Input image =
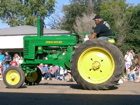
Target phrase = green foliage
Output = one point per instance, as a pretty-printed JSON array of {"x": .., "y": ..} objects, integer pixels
[
  {"x": 25, "y": 12},
  {"x": 133, "y": 39},
  {"x": 119, "y": 16},
  {"x": 76, "y": 9},
  {"x": 113, "y": 10},
  {"x": 135, "y": 23}
]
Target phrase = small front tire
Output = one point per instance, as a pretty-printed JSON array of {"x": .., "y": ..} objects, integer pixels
[{"x": 13, "y": 77}]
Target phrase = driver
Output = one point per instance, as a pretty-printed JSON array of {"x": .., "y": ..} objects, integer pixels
[{"x": 102, "y": 29}]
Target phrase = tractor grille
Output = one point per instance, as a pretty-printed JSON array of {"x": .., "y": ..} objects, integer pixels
[{"x": 26, "y": 48}]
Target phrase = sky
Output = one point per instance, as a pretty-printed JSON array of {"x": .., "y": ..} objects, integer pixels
[{"x": 59, "y": 6}]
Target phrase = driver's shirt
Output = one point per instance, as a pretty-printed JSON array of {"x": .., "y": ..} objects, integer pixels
[{"x": 103, "y": 29}]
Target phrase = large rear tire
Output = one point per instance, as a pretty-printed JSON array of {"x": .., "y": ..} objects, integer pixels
[
  {"x": 97, "y": 64},
  {"x": 34, "y": 79},
  {"x": 13, "y": 77}
]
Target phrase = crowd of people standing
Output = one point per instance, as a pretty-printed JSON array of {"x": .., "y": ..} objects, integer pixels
[
  {"x": 6, "y": 60},
  {"x": 132, "y": 67}
]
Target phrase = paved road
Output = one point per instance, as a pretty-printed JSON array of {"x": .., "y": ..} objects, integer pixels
[{"x": 69, "y": 93}]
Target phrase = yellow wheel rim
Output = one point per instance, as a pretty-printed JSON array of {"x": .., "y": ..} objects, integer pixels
[
  {"x": 13, "y": 77},
  {"x": 33, "y": 77},
  {"x": 96, "y": 65}
]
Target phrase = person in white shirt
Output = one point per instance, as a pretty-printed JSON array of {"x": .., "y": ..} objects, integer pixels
[
  {"x": 132, "y": 54},
  {"x": 128, "y": 61}
]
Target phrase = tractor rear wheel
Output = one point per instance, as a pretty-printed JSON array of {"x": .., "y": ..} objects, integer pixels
[
  {"x": 97, "y": 64},
  {"x": 34, "y": 79},
  {"x": 13, "y": 77}
]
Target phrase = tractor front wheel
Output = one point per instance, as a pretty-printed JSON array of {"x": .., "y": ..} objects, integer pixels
[{"x": 13, "y": 77}]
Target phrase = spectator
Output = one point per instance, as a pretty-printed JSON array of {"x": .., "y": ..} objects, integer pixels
[
  {"x": 132, "y": 54},
  {"x": 40, "y": 66},
  {"x": 16, "y": 58},
  {"x": 20, "y": 60},
  {"x": 139, "y": 57},
  {"x": 124, "y": 78},
  {"x": 70, "y": 76},
  {"x": 1, "y": 61},
  {"x": 138, "y": 63},
  {"x": 61, "y": 73},
  {"x": 128, "y": 61},
  {"x": 138, "y": 73},
  {"x": 45, "y": 71},
  {"x": 53, "y": 71},
  {"x": 14, "y": 62},
  {"x": 135, "y": 61},
  {"x": 1, "y": 58},
  {"x": 7, "y": 61},
  {"x": 132, "y": 73},
  {"x": 64, "y": 53}
]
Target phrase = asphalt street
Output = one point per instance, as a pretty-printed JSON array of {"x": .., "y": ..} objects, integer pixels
[{"x": 69, "y": 93}]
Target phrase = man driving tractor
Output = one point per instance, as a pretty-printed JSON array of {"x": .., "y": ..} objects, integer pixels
[{"x": 102, "y": 29}]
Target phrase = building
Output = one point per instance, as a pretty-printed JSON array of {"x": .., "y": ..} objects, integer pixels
[{"x": 11, "y": 39}]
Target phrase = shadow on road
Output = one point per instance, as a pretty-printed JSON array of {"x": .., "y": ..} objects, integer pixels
[
  {"x": 74, "y": 86},
  {"x": 79, "y": 87},
  {"x": 67, "y": 99}
]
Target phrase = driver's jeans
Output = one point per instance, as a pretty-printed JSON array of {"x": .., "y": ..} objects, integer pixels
[{"x": 103, "y": 37}]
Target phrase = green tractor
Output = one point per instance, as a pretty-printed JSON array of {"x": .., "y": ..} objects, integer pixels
[{"x": 95, "y": 64}]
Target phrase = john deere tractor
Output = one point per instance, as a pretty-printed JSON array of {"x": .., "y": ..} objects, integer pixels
[{"x": 95, "y": 64}]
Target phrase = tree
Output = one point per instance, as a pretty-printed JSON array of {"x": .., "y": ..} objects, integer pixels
[
  {"x": 76, "y": 9},
  {"x": 124, "y": 19},
  {"x": 118, "y": 14},
  {"x": 55, "y": 21},
  {"x": 133, "y": 39},
  {"x": 84, "y": 24},
  {"x": 25, "y": 12},
  {"x": 90, "y": 7}
]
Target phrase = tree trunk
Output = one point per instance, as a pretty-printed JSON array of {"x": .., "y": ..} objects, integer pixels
[{"x": 90, "y": 6}]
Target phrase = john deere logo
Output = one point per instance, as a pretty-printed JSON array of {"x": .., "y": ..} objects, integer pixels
[{"x": 54, "y": 42}]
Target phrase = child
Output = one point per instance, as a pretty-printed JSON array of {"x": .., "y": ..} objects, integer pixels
[
  {"x": 132, "y": 73},
  {"x": 14, "y": 62},
  {"x": 20, "y": 60},
  {"x": 138, "y": 73}
]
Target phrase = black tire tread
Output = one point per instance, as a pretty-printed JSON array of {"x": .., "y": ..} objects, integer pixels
[
  {"x": 119, "y": 64},
  {"x": 37, "y": 81},
  {"x": 22, "y": 75}
]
